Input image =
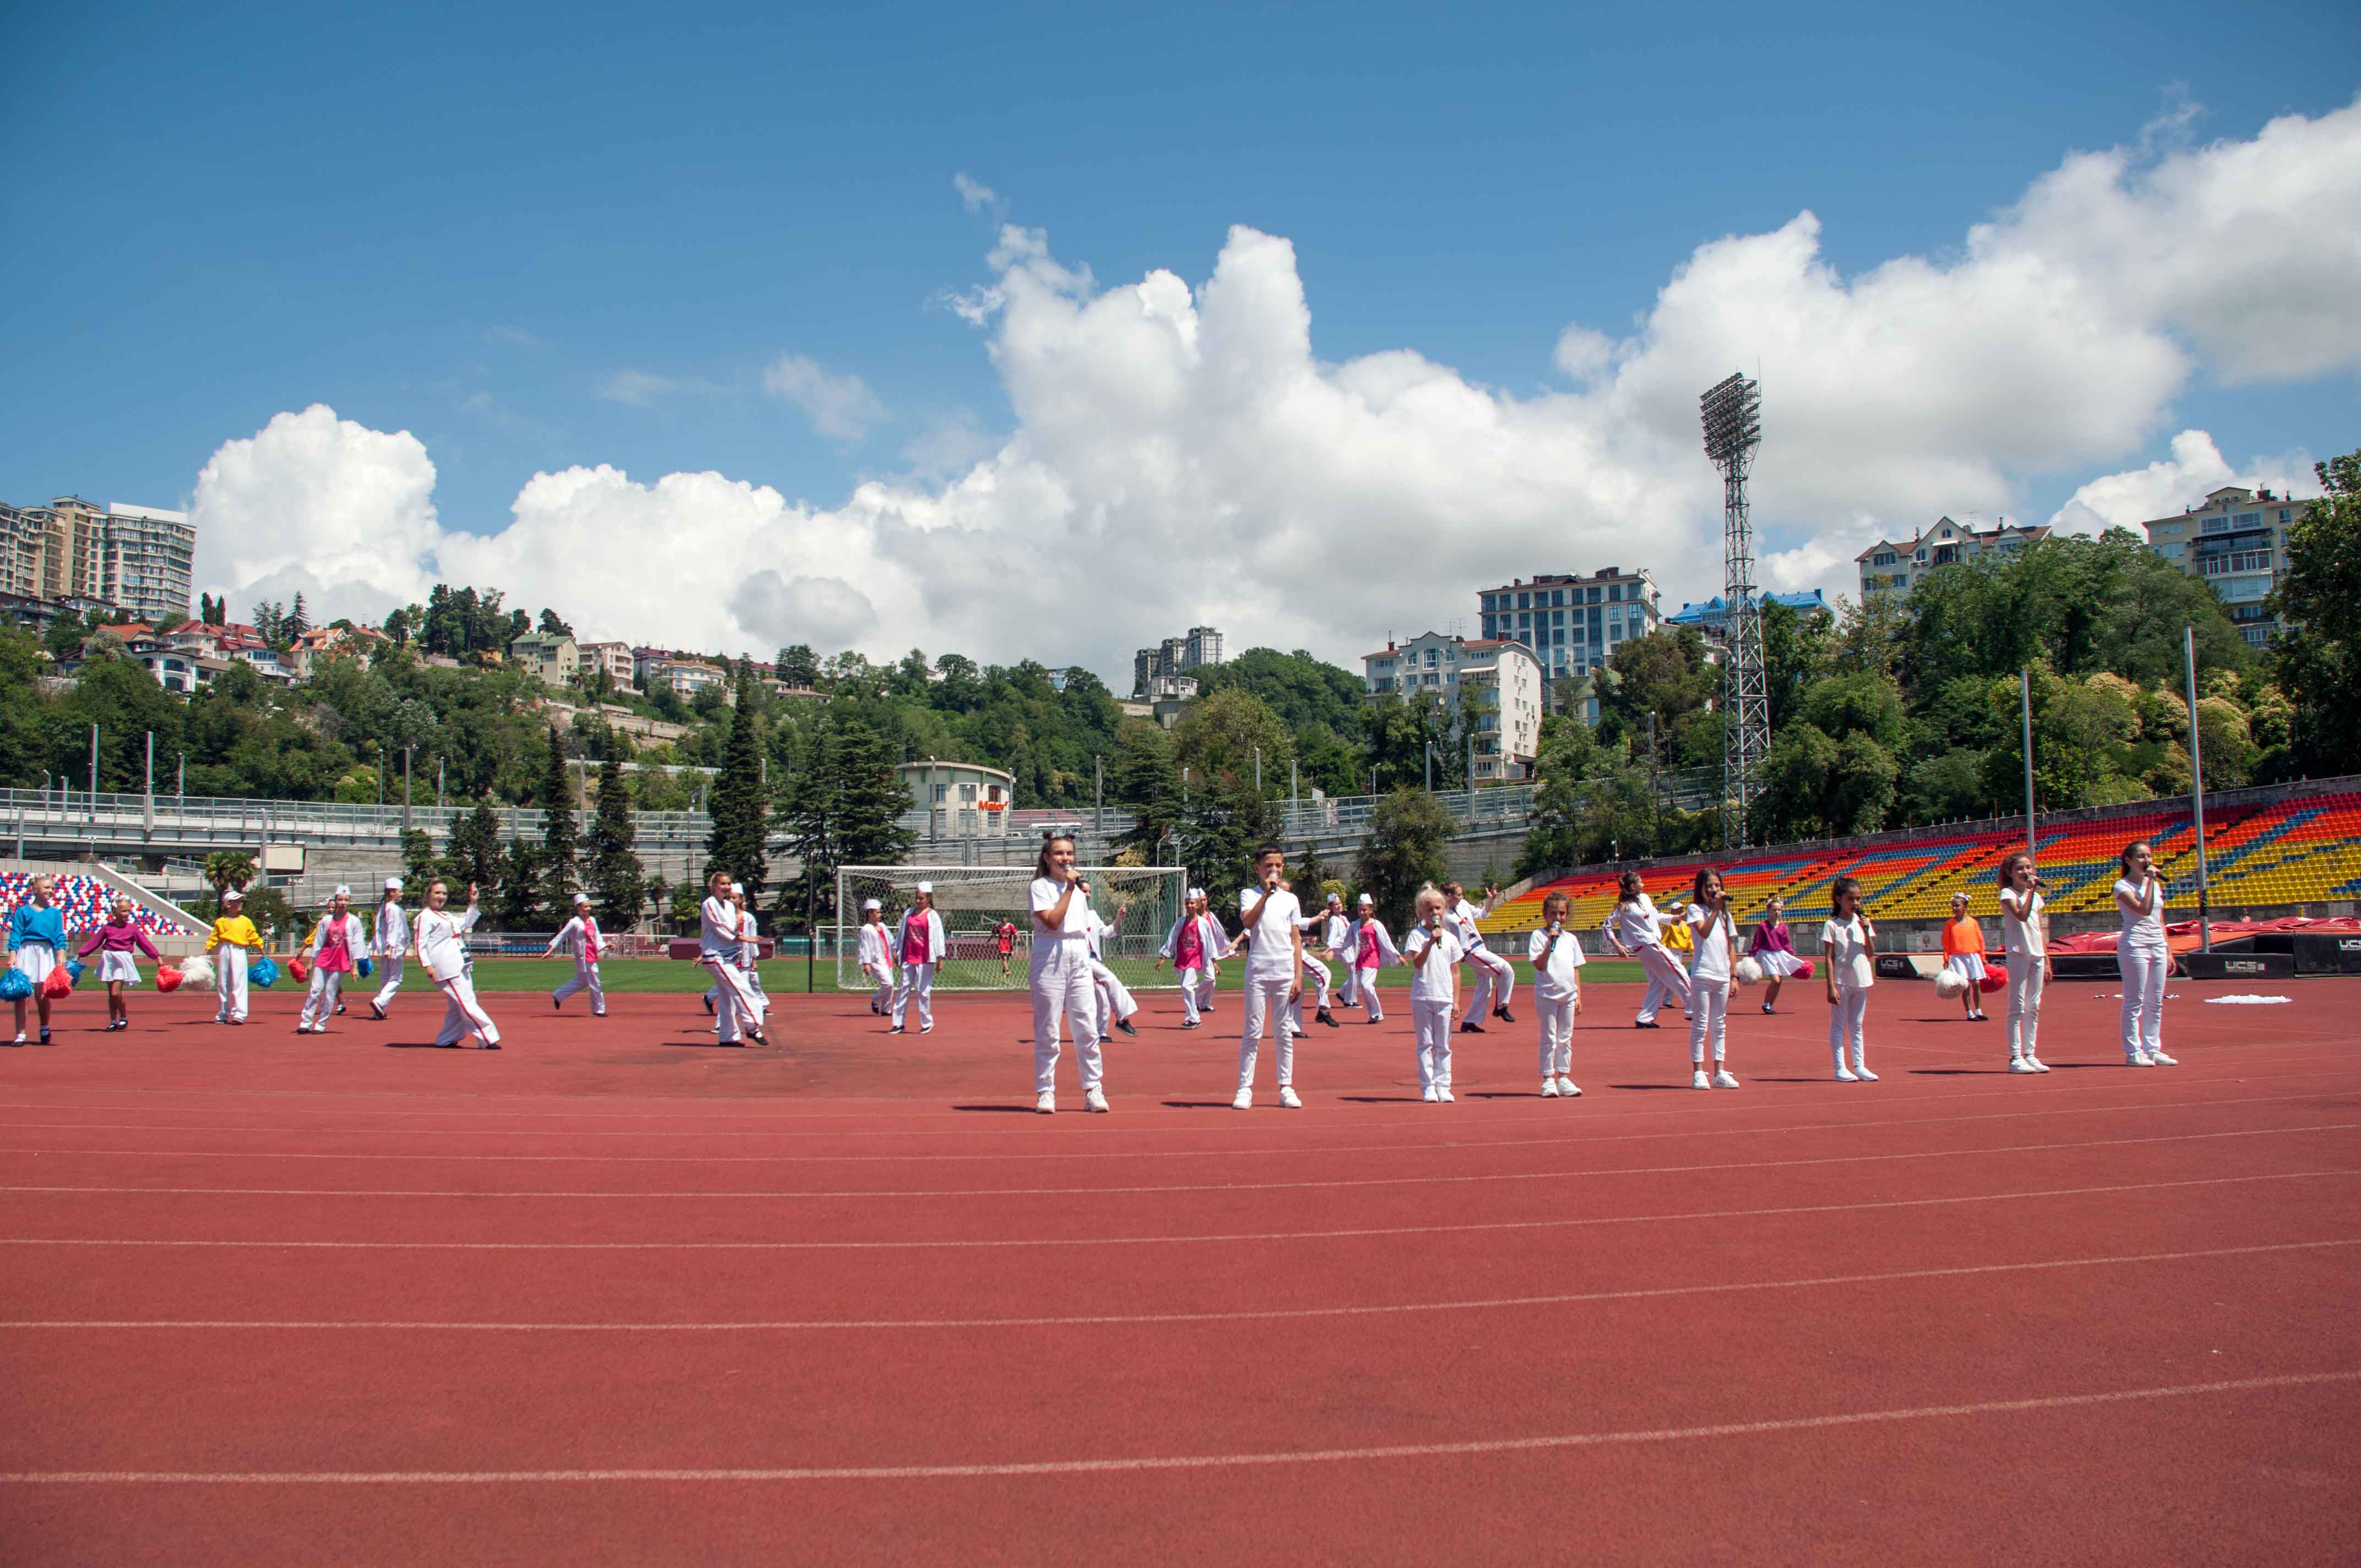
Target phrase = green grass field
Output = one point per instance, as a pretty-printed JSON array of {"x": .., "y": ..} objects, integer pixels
[{"x": 786, "y": 975}]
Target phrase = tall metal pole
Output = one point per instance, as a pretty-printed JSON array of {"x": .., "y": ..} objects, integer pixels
[
  {"x": 438, "y": 784},
  {"x": 93, "y": 774},
  {"x": 1294, "y": 796},
  {"x": 405, "y": 786},
  {"x": 811, "y": 930},
  {"x": 1430, "y": 767},
  {"x": 1098, "y": 794},
  {"x": 2025, "y": 709},
  {"x": 1258, "y": 752},
  {"x": 1731, "y": 412},
  {"x": 181, "y": 783},
  {"x": 148, "y": 811},
  {"x": 2197, "y": 789}
]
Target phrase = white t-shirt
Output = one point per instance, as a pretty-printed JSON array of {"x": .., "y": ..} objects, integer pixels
[
  {"x": 2142, "y": 931},
  {"x": 1270, "y": 952},
  {"x": 1845, "y": 945},
  {"x": 1554, "y": 981},
  {"x": 441, "y": 945},
  {"x": 2021, "y": 938},
  {"x": 1431, "y": 977},
  {"x": 1071, "y": 938},
  {"x": 1711, "y": 940},
  {"x": 1634, "y": 924}
]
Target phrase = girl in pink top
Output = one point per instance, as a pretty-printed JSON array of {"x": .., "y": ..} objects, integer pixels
[{"x": 114, "y": 942}]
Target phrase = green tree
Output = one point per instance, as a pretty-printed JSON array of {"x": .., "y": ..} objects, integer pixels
[
  {"x": 617, "y": 880},
  {"x": 420, "y": 863},
  {"x": 226, "y": 868},
  {"x": 517, "y": 903},
  {"x": 1404, "y": 850},
  {"x": 1219, "y": 739},
  {"x": 560, "y": 844},
  {"x": 473, "y": 854},
  {"x": 739, "y": 805},
  {"x": 799, "y": 665},
  {"x": 1300, "y": 688},
  {"x": 2318, "y": 658},
  {"x": 1144, "y": 781}
]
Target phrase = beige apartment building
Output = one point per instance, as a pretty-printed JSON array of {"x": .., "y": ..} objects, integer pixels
[{"x": 2235, "y": 540}]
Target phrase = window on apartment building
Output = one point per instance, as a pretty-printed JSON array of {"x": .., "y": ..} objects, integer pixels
[
  {"x": 1524, "y": 601},
  {"x": 2248, "y": 520},
  {"x": 2286, "y": 513},
  {"x": 1558, "y": 595},
  {"x": 1432, "y": 658},
  {"x": 1614, "y": 592}
]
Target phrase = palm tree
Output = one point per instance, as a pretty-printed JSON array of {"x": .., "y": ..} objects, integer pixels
[{"x": 226, "y": 868}]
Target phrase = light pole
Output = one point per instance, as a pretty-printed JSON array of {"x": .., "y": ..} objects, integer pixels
[
  {"x": 2197, "y": 789},
  {"x": 2025, "y": 714}
]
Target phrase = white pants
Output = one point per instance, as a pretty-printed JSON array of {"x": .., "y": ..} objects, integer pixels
[
  {"x": 1266, "y": 1005},
  {"x": 320, "y": 1001},
  {"x": 918, "y": 981},
  {"x": 462, "y": 1012},
  {"x": 229, "y": 983},
  {"x": 586, "y": 978},
  {"x": 1368, "y": 985},
  {"x": 1667, "y": 981},
  {"x": 1318, "y": 972},
  {"x": 883, "y": 997},
  {"x": 1114, "y": 998},
  {"x": 1494, "y": 984},
  {"x": 390, "y": 966},
  {"x": 1557, "y": 1035},
  {"x": 2023, "y": 1003},
  {"x": 1191, "y": 980},
  {"x": 1349, "y": 993},
  {"x": 1063, "y": 993},
  {"x": 2144, "y": 971},
  {"x": 1847, "y": 1020},
  {"x": 1708, "y": 1018},
  {"x": 1432, "y": 1022},
  {"x": 736, "y": 1004}
]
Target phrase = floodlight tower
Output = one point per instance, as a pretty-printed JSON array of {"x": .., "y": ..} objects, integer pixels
[{"x": 1732, "y": 412}]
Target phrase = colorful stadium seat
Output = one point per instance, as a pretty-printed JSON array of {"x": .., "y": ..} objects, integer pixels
[{"x": 84, "y": 900}]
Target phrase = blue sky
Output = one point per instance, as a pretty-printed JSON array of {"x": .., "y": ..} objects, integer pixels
[{"x": 468, "y": 223}]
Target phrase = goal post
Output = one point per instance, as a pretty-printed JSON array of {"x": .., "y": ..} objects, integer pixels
[{"x": 1141, "y": 902}]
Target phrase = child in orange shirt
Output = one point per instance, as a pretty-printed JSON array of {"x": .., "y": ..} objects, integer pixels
[{"x": 1963, "y": 954}]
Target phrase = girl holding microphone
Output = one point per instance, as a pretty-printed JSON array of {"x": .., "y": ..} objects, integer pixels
[
  {"x": 2143, "y": 957},
  {"x": 1064, "y": 990}
]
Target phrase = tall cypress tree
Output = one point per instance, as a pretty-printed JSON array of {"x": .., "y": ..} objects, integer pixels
[
  {"x": 618, "y": 881},
  {"x": 809, "y": 817},
  {"x": 474, "y": 852},
  {"x": 560, "y": 844},
  {"x": 742, "y": 816},
  {"x": 869, "y": 798}
]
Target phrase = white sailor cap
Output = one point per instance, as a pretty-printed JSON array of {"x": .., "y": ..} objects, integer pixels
[
  {"x": 393, "y": 884},
  {"x": 870, "y": 903},
  {"x": 232, "y": 895},
  {"x": 343, "y": 892},
  {"x": 581, "y": 898},
  {"x": 1196, "y": 893},
  {"x": 927, "y": 887},
  {"x": 1367, "y": 899}
]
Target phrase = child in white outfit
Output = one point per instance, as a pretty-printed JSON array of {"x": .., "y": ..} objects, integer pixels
[
  {"x": 1433, "y": 950},
  {"x": 1849, "y": 943},
  {"x": 1557, "y": 995},
  {"x": 1713, "y": 941},
  {"x": 2144, "y": 957},
  {"x": 1635, "y": 931}
]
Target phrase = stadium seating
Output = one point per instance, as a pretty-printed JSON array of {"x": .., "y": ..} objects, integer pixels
[
  {"x": 84, "y": 900},
  {"x": 2299, "y": 851}
]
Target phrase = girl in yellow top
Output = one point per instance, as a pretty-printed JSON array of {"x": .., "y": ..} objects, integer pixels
[{"x": 235, "y": 936}]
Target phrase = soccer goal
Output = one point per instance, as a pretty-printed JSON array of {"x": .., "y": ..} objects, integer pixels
[{"x": 984, "y": 905}]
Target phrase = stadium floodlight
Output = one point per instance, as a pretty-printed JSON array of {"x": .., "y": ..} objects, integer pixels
[{"x": 1731, "y": 412}]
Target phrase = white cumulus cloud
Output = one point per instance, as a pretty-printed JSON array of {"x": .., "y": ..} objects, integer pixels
[
  {"x": 2176, "y": 482},
  {"x": 1180, "y": 455}
]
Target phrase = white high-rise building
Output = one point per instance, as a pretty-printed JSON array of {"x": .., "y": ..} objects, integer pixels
[{"x": 148, "y": 560}]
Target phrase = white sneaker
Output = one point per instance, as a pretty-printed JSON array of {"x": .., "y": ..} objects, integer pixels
[
  {"x": 1722, "y": 1079},
  {"x": 1095, "y": 1100},
  {"x": 2019, "y": 1064},
  {"x": 2161, "y": 1059},
  {"x": 2138, "y": 1058},
  {"x": 1245, "y": 1101},
  {"x": 1286, "y": 1098},
  {"x": 1697, "y": 1079},
  {"x": 2037, "y": 1063},
  {"x": 1444, "y": 1095},
  {"x": 1549, "y": 1088},
  {"x": 1845, "y": 1074},
  {"x": 1430, "y": 1094},
  {"x": 1567, "y": 1088},
  {"x": 1046, "y": 1102},
  {"x": 1860, "y": 1071}
]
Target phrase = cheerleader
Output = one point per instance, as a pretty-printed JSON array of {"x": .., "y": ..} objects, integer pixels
[
  {"x": 114, "y": 943},
  {"x": 1495, "y": 980},
  {"x": 580, "y": 938},
  {"x": 1774, "y": 947},
  {"x": 1373, "y": 947},
  {"x": 334, "y": 944},
  {"x": 2025, "y": 937},
  {"x": 1634, "y": 930},
  {"x": 388, "y": 943},
  {"x": 1963, "y": 955},
  {"x": 232, "y": 937},
  {"x": 877, "y": 955},
  {"x": 1114, "y": 999},
  {"x": 36, "y": 934},
  {"x": 1059, "y": 904},
  {"x": 1557, "y": 995},
  {"x": 737, "y": 1010},
  {"x": 1432, "y": 949},
  {"x": 2144, "y": 957},
  {"x": 1713, "y": 944},
  {"x": 1189, "y": 948},
  {"x": 1849, "y": 943},
  {"x": 1271, "y": 935},
  {"x": 442, "y": 945},
  {"x": 921, "y": 947}
]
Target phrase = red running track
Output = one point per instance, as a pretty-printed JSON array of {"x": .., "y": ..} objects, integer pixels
[{"x": 616, "y": 1294}]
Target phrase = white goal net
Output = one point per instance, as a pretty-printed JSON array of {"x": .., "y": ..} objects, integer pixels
[{"x": 983, "y": 908}]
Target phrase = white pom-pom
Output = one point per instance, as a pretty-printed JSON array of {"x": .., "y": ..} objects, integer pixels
[
  {"x": 198, "y": 971},
  {"x": 1950, "y": 985},
  {"x": 1749, "y": 970}
]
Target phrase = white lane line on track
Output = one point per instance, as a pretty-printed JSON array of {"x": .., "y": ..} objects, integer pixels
[
  {"x": 1461, "y": 1179},
  {"x": 1119, "y": 1319},
  {"x": 1455, "y": 1145},
  {"x": 1179, "y": 1461},
  {"x": 969, "y": 1243},
  {"x": 905, "y": 1103}
]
